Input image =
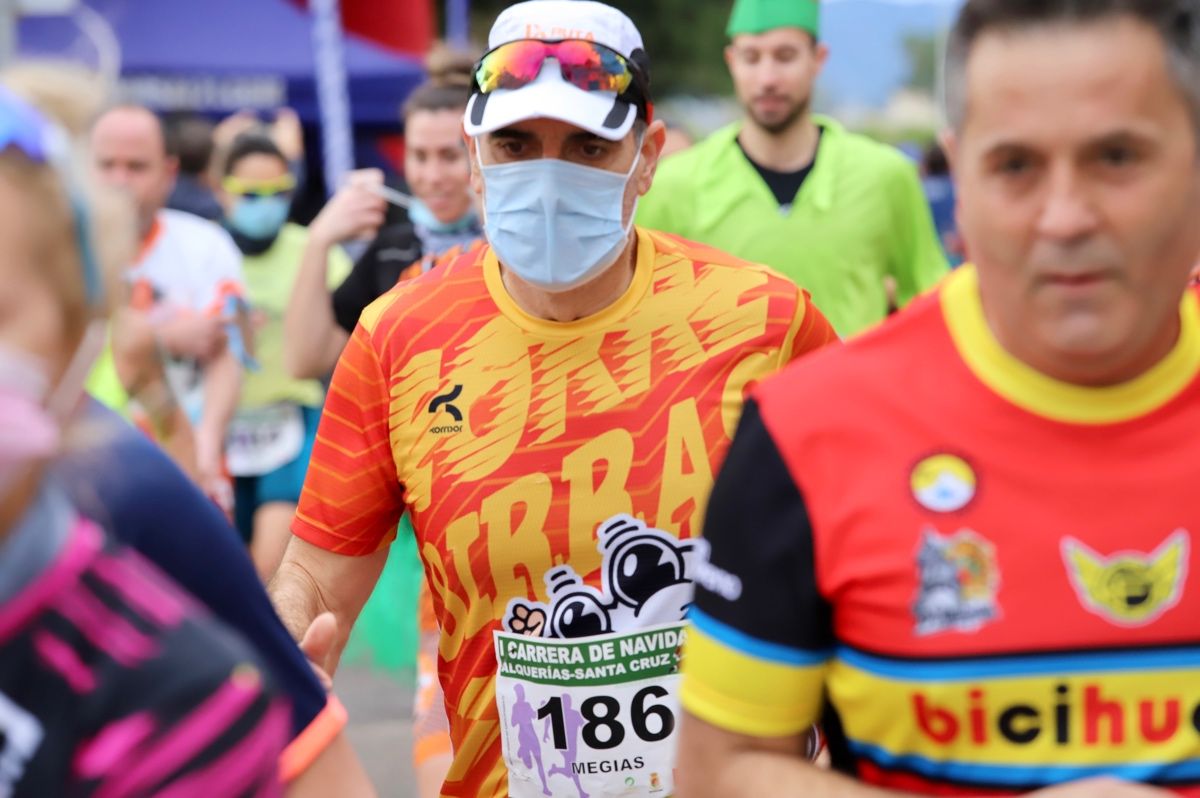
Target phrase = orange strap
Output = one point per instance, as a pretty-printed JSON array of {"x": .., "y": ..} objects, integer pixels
[{"x": 312, "y": 742}]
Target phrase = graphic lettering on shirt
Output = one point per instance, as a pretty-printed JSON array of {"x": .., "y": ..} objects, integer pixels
[
  {"x": 646, "y": 579},
  {"x": 599, "y": 472},
  {"x": 1058, "y": 719},
  {"x": 957, "y": 583},
  {"x": 20, "y": 737},
  {"x": 1129, "y": 588},
  {"x": 943, "y": 483}
]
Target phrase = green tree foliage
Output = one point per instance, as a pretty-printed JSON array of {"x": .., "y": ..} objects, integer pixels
[
  {"x": 923, "y": 54},
  {"x": 685, "y": 40}
]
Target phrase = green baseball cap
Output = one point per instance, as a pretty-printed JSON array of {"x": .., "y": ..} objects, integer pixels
[{"x": 760, "y": 16}]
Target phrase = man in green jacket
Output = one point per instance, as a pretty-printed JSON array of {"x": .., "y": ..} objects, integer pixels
[{"x": 834, "y": 211}]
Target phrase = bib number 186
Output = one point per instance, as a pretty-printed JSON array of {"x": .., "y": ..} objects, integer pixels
[{"x": 604, "y": 729}]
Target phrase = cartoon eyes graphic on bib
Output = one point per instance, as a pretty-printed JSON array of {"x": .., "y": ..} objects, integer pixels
[
  {"x": 641, "y": 566},
  {"x": 645, "y": 580},
  {"x": 579, "y": 615}
]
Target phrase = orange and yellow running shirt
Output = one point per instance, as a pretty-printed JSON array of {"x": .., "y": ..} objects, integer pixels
[{"x": 534, "y": 454}]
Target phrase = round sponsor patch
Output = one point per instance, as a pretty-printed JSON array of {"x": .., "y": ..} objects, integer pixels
[{"x": 943, "y": 483}]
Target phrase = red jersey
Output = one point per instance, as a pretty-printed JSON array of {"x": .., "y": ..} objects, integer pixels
[{"x": 982, "y": 578}]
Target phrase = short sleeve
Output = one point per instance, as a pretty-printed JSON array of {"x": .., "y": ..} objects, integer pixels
[
  {"x": 378, "y": 269},
  {"x": 761, "y": 637},
  {"x": 809, "y": 332},
  {"x": 352, "y": 499},
  {"x": 202, "y": 553},
  {"x": 918, "y": 259}
]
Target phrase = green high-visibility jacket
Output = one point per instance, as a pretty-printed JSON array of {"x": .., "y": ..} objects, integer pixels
[{"x": 860, "y": 216}]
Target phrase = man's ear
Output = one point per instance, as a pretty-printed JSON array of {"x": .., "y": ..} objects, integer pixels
[
  {"x": 652, "y": 147},
  {"x": 948, "y": 139},
  {"x": 821, "y": 57}
]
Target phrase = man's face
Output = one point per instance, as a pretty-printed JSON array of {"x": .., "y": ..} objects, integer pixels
[
  {"x": 128, "y": 152},
  {"x": 1079, "y": 195},
  {"x": 773, "y": 74},
  {"x": 550, "y": 138}
]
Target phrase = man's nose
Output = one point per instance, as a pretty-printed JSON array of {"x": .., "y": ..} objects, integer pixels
[
  {"x": 770, "y": 73},
  {"x": 115, "y": 176},
  {"x": 1068, "y": 213}
]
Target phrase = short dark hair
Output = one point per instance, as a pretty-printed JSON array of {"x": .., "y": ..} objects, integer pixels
[
  {"x": 1176, "y": 21},
  {"x": 249, "y": 144},
  {"x": 190, "y": 139}
]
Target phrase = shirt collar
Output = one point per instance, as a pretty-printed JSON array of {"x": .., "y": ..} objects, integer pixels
[
  {"x": 820, "y": 187},
  {"x": 1044, "y": 396}
]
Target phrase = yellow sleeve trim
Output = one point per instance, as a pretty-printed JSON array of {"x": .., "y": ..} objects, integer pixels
[{"x": 747, "y": 695}]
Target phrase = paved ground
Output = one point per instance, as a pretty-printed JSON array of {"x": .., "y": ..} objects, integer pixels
[{"x": 380, "y": 706}]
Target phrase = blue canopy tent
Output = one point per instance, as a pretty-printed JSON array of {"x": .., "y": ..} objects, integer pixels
[{"x": 219, "y": 56}]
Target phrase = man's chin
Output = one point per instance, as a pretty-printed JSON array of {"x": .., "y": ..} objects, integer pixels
[
  {"x": 1087, "y": 343},
  {"x": 777, "y": 123}
]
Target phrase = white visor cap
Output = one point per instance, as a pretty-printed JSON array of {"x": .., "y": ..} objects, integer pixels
[{"x": 549, "y": 96}]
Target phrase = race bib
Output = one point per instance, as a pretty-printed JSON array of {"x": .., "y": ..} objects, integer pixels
[
  {"x": 590, "y": 717},
  {"x": 264, "y": 439}
]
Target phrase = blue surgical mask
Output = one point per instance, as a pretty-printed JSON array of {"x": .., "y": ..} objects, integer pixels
[
  {"x": 420, "y": 215},
  {"x": 556, "y": 225},
  {"x": 260, "y": 218}
]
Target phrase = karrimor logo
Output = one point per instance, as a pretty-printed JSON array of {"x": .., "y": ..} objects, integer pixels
[{"x": 446, "y": 402}]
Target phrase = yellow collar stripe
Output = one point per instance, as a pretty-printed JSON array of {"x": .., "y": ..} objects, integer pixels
[{"x": 1059, "y": 401}]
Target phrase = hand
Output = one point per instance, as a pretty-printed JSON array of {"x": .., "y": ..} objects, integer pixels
[
  {"x": 231, "y": 127},
  {"x": 353, "y": 212},
  {"x": 317, "y": 645},
  {"x": 135, "y": 350},
  {"x": 288, "y": 134},
  {"x": 1102, "y": 788},
  {"x": 188, "y": 334}
]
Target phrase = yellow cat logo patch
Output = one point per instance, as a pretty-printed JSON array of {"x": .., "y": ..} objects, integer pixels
[{"x": 1129, "y": 588}]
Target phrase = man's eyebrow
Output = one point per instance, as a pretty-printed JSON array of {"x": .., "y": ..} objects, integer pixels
[
  {"x": 1130, "y": 134},
  {"x": 584, "y": 137},
  {"x": 512, "y": 133}
]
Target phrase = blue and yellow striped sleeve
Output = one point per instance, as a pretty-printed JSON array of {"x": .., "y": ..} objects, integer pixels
[{"x": 761, "y": 636}]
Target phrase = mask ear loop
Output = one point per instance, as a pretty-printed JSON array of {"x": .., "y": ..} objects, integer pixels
[{"x": 641, "y": 139}]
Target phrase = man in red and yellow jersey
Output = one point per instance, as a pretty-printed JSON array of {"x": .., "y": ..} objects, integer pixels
[
  {"x": 550, "y": 408},
  {"x": 967, "y": 540}
]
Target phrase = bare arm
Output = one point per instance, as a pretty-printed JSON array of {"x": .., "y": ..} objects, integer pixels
[
  {"x": 312, "y": 338},
  {"x": 222, "y": 389},
  {"x": 714, "y": 763},
  {"x": 311, "y": 581},
  {"x": 139, "y": 366},
  {"x": 337, "y": 771}
]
